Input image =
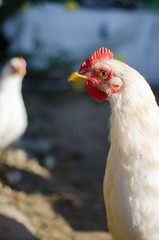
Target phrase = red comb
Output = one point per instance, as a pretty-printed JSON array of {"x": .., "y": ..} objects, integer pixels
[
  {"x": 21, "y": 59},
  {"x": 21, "y": 62},
  {"x": 103, "y": 53}
]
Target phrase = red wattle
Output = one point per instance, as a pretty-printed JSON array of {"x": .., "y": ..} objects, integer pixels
[{"x": 95, "y": 93}]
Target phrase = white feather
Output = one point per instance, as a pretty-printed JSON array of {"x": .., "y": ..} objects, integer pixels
[
  {"x": 131, "y": 183},
  {"x": 13, "y": 117}
]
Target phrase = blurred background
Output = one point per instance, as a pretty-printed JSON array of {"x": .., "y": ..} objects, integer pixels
[{"x": 51, "y": 178}]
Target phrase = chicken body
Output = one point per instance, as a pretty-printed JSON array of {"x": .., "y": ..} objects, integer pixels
[
  {"x": 131, "y": 182},
  {"x": 13, "y": 120}
]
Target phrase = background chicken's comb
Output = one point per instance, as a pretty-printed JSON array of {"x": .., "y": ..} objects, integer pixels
[
  {"x": 21, "y": 62},
  {"x": 103, "y": 53}
]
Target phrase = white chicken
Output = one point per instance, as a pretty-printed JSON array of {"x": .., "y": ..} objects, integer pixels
[
  {"x": 13, "y": 116},
  {"x": 131, "y": 183}
]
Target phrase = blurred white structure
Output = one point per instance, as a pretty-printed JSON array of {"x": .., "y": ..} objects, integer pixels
[
  {"x": 13, "y": 120},
  {"x": 50, "y": 29}
]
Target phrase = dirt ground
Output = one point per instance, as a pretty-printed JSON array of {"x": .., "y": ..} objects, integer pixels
[{"x": 52, "y": 180}]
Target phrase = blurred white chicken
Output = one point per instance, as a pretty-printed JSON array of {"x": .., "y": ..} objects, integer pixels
[
  {"x": 13, "y": 116},
  {"x": 131, "y": 183}
]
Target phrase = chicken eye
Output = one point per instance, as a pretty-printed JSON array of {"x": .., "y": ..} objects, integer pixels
[{"x": 103, "y": 73}]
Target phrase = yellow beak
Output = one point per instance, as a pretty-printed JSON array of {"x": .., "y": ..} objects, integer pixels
[
  {"x": 77, "y": 77},
  {"x": 22, "y": 71}
]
